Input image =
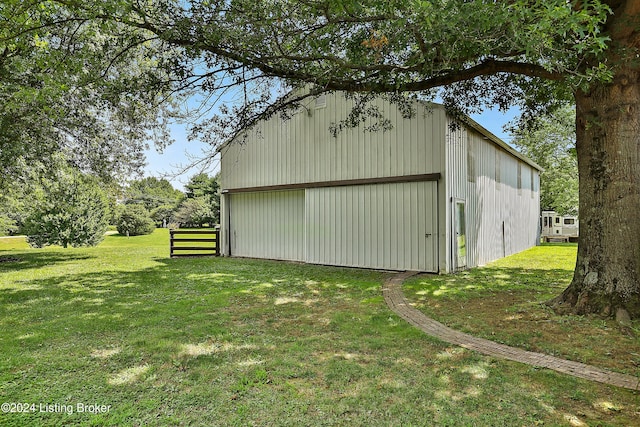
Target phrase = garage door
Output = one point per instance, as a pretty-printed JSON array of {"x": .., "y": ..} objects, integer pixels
[
  {"x": 386, "y": 226},
  {"x": 267, "y": 224}
]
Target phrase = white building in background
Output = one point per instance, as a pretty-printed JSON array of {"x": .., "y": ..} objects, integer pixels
[
  {"x": 425, "y": 196},
  {"x": 559, "y": 227}
]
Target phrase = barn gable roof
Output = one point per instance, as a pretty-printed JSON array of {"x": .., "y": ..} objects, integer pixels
[{"x": 500, "y": 143}]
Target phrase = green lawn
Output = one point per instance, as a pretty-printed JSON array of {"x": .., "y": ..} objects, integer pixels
[{"x": 159, "y": 341}]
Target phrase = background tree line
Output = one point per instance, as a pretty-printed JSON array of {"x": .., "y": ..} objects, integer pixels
[
  {"x": 63, "y": 206},
  {"x": 198, "y": 206}
]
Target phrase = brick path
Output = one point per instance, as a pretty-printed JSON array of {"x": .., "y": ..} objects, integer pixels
[{"x": 393, "y": 296}]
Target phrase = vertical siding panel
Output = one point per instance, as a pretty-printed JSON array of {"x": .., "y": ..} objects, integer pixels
[
  {"x": 356, "y": 223},
  {"x": 369, "y": 156},
  {"x": 316, "y": 231},
  {"x": 418, "y": 225},
  {"x": 348, "y": 224},
  {"x": 495, "y": 203},
  {"x": 394, "y": 219},
  {"x": 268, "y": 225},
  {"x": 417, "y": 230},
  {"x": 433, "y": 213},
  {"x": 315, "y": 159},
  {"x": 400, "y": 221},
  {"x": 413, "y": 160},
  {"x": 265, "y": 153},
  {"x": 311, "y": 212},
  {"x": 307, "y": 139},
  {"x": 340, "y": 145},
  {"x": 287, "y": 150},
  {"x": 411, "y": 251},
  {"x": 387, "y": 225},
  {"x": 336, "y": 144},
  {"x": 398, "y": 139},
  {"x": 301, "y": 149},
  {"x": 318, "y": 158},
  {"x": 273, "y": 243},
  {"x": 326, "y": 247},
  {"x": 375, "y": 226},
  {"x": 364, "y": 226},
  {"x": 387, "y": 157},
  {"x": 362, "y": 250},
  {"x": 334, "y": 228},
  {"x": 293, "y": 148}
]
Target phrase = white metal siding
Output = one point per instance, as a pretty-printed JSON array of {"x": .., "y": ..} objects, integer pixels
[
  {"x": 302, "y": 149},
  {"x": 387, "y": 226},
  {"x": 382, "y": 225},
  {"x": 267, "y": 224},
  {"x": 456, "y": 188},
  {"x": 501, "y": 220}
]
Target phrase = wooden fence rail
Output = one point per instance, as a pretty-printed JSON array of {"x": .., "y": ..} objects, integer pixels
[{"x": 199, "y": 243}]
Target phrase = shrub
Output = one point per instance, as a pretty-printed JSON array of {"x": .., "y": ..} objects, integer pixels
[
  {"x": 134, "y": 220},
  {"x": 194, "y": 212},
  {"x": 7, "y": 225},
  {"x": 69, "y": 209}
]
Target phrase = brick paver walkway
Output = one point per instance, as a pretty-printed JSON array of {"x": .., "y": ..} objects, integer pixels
[{"x": 393, "y": 296}]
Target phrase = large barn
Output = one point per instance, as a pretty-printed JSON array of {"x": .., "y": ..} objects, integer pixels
[{"x": 424, "y": 196}]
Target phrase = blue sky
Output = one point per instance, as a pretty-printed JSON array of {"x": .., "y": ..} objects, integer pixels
[
  {"x": 175, "y": 157},
  {"x": 182, "y": 151}
]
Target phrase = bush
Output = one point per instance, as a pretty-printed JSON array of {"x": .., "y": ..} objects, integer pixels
[
  {"x": 195, "y": 212},
  {"x": 7, "y": 225},
  {"x": 134, "y": 220},
  {"x": 162, "y": 215},
  {"x": 69, "y": 209}
]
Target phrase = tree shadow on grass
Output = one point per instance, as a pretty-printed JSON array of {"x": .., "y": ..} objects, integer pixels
[
  {"x": 489, "y": 280},
  {"x": 509, "y": 305},
  {"x": 170, "y": 290},
  {"x": 143, "y": 308},
  {"x": 24, "y": 260},
  {"x": 187, "y": 322}
]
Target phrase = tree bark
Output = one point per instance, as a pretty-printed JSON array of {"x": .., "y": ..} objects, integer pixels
[{"x": 606, "y": 280}]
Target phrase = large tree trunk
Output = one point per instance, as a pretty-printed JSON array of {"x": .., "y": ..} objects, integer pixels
[{"x": 607, "y": 274}]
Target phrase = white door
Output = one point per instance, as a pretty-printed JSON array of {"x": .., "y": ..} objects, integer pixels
[
  {"x": 459, "y": 235},
  {"x": 384, "y": 226}
]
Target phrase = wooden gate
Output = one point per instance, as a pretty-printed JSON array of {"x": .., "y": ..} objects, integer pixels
[{"x": 197, "y": 243}]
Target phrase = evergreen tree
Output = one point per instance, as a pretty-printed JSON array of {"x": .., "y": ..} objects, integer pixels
[
  {"x": 69, "y": 209},
  {"x": 202, "y": 186}
]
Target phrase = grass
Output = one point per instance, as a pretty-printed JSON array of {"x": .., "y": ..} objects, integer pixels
[
  {"x": 246, "y": 342},
  {"x": 504, "y": 302}
]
